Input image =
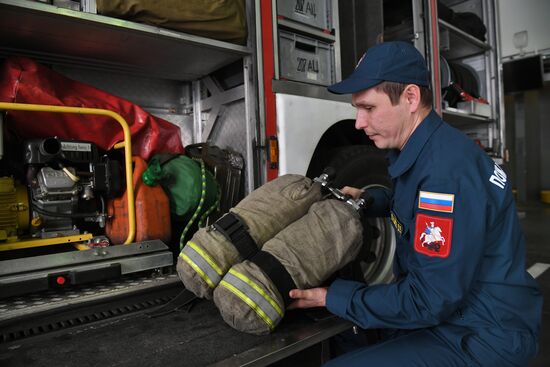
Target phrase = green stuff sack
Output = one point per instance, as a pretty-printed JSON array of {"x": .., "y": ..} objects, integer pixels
[{"x": 181, "y": 179}]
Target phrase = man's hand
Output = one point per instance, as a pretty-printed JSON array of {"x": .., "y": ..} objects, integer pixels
[
  {"x": 352, "y": 191},
  {"x": 307, "y": 298}
]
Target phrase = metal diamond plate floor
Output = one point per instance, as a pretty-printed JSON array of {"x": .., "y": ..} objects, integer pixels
[{"x": 38, "y": 302}]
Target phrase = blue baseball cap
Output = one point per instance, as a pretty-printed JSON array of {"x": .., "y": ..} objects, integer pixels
[{"x": 398, "y": 62}]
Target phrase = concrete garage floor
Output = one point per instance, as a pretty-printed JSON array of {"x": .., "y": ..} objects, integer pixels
[{"x": 535, "y": 220}]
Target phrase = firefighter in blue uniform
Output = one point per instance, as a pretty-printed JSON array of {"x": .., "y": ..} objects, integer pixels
[{"x": 461, "y": 296}]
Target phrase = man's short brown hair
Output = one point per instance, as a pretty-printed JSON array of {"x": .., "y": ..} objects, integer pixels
[{"x": 394, "y": 91}]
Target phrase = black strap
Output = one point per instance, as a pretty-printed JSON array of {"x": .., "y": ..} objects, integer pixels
[
  {"x": 276, "y": 272},
  {"x": 233, "y": 228}
]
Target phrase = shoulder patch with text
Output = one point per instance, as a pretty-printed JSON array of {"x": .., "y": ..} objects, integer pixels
[
  {"x": 396, "y": 223},
  {"x": 498, "y": 178},
  {"x": 433, "y": 235},
  {"x": 436, "y": 201}
]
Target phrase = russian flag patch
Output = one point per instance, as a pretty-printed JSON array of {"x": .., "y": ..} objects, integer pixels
[{"x": 436, "y": 201}]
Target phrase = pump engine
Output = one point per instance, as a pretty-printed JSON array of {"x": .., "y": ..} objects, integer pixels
[{"x": 68, "y": 182}]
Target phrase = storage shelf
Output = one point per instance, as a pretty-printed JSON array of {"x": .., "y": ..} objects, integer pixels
[
  {"x": 461, "y": 44},
  {"x": 306, "y": 30},
  {"x": 51, "y": 34},
  {"x": 461, "y": 119}
]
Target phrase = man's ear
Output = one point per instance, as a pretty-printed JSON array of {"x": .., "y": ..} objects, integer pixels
[{"x": 412, "y": 97}]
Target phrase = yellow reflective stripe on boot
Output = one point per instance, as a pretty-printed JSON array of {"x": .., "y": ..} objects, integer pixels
[
  {"x": 249, "y": 302},
  {"x": 255, "y": 297},
  {"x": 257, "y": 288},
  {"x": 202, "y": 263}
]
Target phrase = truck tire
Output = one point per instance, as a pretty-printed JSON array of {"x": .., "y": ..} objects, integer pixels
[
  {"x": 364, "y": 166},
  {"x": 359, "y": 166}
]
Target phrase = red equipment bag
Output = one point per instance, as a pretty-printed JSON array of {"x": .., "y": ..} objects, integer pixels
[{"x": 22, "y": 80}]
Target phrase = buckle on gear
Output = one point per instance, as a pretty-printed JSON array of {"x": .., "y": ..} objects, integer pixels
[{"x": 232, "y": 227}]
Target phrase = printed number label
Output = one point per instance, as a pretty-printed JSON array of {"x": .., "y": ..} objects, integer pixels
[
  {"x": 305, "y": 7},
  {"x": 309, "y": 66}
]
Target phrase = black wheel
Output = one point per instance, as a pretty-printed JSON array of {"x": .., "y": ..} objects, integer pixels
[
  {"x": 359, "y": 166},
  {"x": 364, "y": 167}
]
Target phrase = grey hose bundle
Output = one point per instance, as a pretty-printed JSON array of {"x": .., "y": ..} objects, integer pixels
[
  {"x": 253, "y": 295},
  {"x": 206, "y": 258}
]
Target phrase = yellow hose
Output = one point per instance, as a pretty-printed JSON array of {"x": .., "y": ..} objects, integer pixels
[{"x": 127, "y": 143}]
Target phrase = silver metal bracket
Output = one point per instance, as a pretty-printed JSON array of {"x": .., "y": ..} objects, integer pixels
[{"x": 358, "y": 204}]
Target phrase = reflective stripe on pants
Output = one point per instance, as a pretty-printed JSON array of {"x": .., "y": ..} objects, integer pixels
[
  {"x": 255, "y": 297},
  {"x": 202, "y": 263}
]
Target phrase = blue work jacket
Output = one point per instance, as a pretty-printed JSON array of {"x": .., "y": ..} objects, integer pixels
[{"x": 460, "y": 252}]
